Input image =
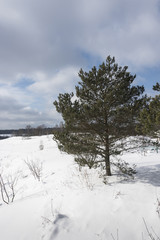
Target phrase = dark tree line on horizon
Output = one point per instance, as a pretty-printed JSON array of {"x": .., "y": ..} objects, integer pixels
[{"x": 29, "y": 131}]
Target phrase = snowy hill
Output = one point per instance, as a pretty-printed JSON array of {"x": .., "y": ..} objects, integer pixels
[{"x": 69, "y": 204}]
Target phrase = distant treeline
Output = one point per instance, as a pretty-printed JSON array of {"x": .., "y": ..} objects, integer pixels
[
  {"x": 28, "y": 131},
  {"x": 3, "y": 137}
]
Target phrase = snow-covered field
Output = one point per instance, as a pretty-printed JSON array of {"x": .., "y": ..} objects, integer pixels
[{"x": 68, "y": 204}]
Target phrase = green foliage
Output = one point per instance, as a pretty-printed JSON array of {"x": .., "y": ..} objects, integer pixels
[
  {"x": 150, "y": 116},
  {"x": 104, "y": 112},
  {"x": 156, "y": 87},
  {"x": 125, "y": 168}
]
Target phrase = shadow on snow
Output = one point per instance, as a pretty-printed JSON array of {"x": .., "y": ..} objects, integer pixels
[
  {"x": 149, "y": 174},
  {"x": 145, "y": 174}
]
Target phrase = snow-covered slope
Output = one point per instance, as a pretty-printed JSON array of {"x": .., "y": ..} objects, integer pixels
[{"x": 68, "y": 204}]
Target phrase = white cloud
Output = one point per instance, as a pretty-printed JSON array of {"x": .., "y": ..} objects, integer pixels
[
  {"x": 63, "y": 80},
  {"x": 47, "y": 36},
  {"x": 49, "y": 41},
  {"x": 17, "y": 110},
  {"x": 127, "y": 29}
]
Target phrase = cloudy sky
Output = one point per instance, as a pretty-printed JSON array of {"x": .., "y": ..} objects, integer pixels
[{"x": 43, "y": 44}]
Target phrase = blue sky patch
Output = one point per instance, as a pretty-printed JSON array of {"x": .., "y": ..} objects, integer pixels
[{"x": 24, "y": 83}]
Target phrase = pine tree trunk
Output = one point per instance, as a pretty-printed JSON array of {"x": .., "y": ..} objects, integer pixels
[
  {"x": 107, "y": 165},
  {"x": 107, "y": 158},
  {"x": 107, "y": 155}
]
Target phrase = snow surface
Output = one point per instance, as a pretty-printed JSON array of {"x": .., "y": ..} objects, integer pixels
[{"x": 69, "y": 204}]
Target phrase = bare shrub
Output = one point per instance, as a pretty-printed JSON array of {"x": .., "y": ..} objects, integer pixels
[
  {"x": 7, "y": 187},
  {"x": 87, "y": 179},
  {"x": 158, "y": 206},
  {"x": 49, "y": 220},
  {"x": 35, "y": 168},
  {"x": 84, "y": 178},
  {"x": 151, "y": 233},
  {"x": 117, "y": 236}
]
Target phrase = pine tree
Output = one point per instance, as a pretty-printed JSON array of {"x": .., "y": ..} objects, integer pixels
[
  {"x": 103, "y": 113},
  {"x": 150, "y": 116},
  {"x": 156, "y": 87}
]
